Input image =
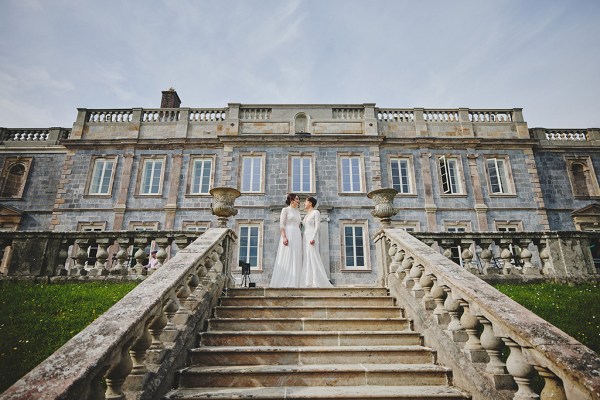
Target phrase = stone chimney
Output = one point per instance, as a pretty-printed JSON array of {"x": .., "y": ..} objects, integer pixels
[{"x": 170, "y": 99}]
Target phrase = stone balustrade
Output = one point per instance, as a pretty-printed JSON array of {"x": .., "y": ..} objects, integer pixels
[
  {"x": 35, "y": 137},
  {"x": 207, "y": 115},
  {"x": 395, "y": 115},
  {"x": 109, "y": 116},
  {"x": 133, "y": 350},
  {"x": 469, "y": 324},
  {"x": 160, "y": 115},
  {"x": 494, "y": 256},
  {"x": 75, "y": 254},
  {"x": 493, "y": 116},
  {"x": 566, "y": 134},
  {"x": 254, "y": 113},
  {"x": 348, "y": 113},
  {"x": 440, "y": 115}
]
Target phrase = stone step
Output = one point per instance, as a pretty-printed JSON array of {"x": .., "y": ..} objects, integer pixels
[
  {"x": 315, "y": 301},
  {"x": 308, "y": 324},
  {"x": 321, "y": 393},
  {"x": 314, "y": 375},
  {"x": 310, "y": 292},
  {"x": 307, "y": 338},
  {"x": 310, "y": 355},
  {"x": 307, "y": 312}
]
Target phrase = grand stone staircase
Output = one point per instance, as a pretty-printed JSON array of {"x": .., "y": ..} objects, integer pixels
[{"x": 340, "y": 343}]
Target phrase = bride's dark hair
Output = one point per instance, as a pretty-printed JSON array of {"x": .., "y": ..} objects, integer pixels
[
  {"x": 290, "y": 197},
  {"x": 312, "y": 200}
]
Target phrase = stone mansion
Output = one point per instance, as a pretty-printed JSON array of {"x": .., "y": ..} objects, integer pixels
[{"x": 455, "y": 170}]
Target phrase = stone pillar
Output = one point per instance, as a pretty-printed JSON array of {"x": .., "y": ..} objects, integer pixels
[
  {"x": 536, "y": 188},
  {"x": 323, "y": 238},
  {"x": 232, "y": 122},
  {"x": 120, "y": 206},
  {"x": 420, "y": 124},
  {"x": 430, "y": 206},
  {"x": 480, "y": 206},
  {"x": 77, "y": 130},
  {"x": 370, "y": 117},
  {"x": 465, "y": 124},
  {"x": 174, "y": 178}
]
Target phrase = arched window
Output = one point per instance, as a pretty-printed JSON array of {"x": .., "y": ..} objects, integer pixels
[
  {"x": 580, "y": 186},
  {"x": 14, "y": 181}
]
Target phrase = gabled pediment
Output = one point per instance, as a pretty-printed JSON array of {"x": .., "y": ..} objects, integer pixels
[
  {"x": 6, "y": 210},
  {"x": 589, "y": 210}
]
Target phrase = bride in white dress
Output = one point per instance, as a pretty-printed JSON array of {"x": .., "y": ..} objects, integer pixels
[
  {"x": 287, "y": 271},
  {"x": 314, "y": 271}
]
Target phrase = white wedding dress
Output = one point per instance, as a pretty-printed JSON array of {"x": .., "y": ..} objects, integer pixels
[
  {"x": 287, "y": 271},
  {"x": 313, "y": 271}
]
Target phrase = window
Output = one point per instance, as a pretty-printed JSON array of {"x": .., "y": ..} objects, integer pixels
[
  {"x": 152, "y": 179},
  {"x": 14, "y": 176},
  {"x": 351, "y": 174},
  {"x": 201, "y": 175},
  {"x": 301, "y": 174},
  {"x": 407, "y": 226},
  {"x": 102, "y": 176},
  {"x": 509, "y": 226},
  {"x": 498, "y": 176},
  {"x": 143, "y": 226},
  {"x": 195, "y": 226},
  {"x": 400, "y": 175},
  {"x": 584, "y": 182},
  {"x": 355, "y": 246},
  {"x": 249, "y": 236},
  {"x": 450, "y": 175},
  {"x": 252, "y": 174}
]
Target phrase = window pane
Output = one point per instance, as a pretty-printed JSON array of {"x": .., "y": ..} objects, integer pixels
[
  {"x": 346, "y": 184},
  {"x": 246, "y": 174},
  {"x": 355, "y": 175},
  {"x": 256, "y": 174}
]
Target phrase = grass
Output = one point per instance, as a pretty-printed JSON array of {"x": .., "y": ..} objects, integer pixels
[
  {"x": 573, "y": 309},
  {"x": 35, "y": 320}
]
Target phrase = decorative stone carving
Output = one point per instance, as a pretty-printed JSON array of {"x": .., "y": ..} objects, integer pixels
[
  {"x": 384, "y": 205},
  {"x": 222, "y": 205}
]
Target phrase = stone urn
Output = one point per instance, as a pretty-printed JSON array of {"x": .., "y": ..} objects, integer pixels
[
  {"x": 222, "y": 205},
  {"x": 384, "y": 205}
]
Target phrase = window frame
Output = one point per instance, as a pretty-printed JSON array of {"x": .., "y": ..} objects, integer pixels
[
  {"x": 361, "y": 173},
  {"x": 506, "y": 226},
  {"x": 93, "y": 164},
  {"x": 9, "y": 163},
  {"x": 407, "y": 226},
  {"x": 144, "y": 225},
  {"x": 192, "y": 171},
  {"x": 461, "y": 191},
  {"x": 410, "y": 173},
  {"x": 263, "y": 161},
  {"x": 466, "y": 225},
  {"x": 142, "y": 172},
  {"x": 312, "y": 180},
  {"x": 364, "y": 224},
  {"x": 510, "y": 189},
  {"x": 195, "y": 226},
  {"x": 592, "y": 185},
  {"x": 259, "y": 224}
]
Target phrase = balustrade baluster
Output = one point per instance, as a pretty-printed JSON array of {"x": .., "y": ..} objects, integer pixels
[
  {"x": 399, "y": 258},
  {"x": 121, "y": 267},
  {"x": 454, "y": 328},
  {"x": 487, "y": 255},
  {"x": 170, "y": 330},
  {"x": 407, "y": 264},
  {"x": 438, "y": 295},
  {"x": 101, "y": 257},
  {"x": 392, "y": 251},
  {"x": 528, "y": 267},
  {"x": 415, "y": 274},
  {"x": 520, "y": 370},
  {"x": 63, "y": 255},
  {"x": 116, "y": 375},
  {"x": 140, "y": 256},
  {"x": 547, "y": 265},
  {"x": 137, "y": 352},
  {"x": 183, "y": 313},
  {"x": 493, "y": 346},
  {"x": 156, "y": 327},
  {"x": 426, "y": 283},
  {"x": 553, "y": 386},
  {"x": 473, "y": 349},
  {"x": 161, "y": 255},
  {"x": 467, "y": 256},
  {"x": 81, "y": 256},
  {"x": 506, "y": 256},
  {"x": 193, "y": 282}
]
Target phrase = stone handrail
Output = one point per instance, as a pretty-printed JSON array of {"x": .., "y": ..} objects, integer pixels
[
  {"x": 469, "y": 322},
  {"x": 138, "y": 344},
  {"x": 36, "y": 254}
]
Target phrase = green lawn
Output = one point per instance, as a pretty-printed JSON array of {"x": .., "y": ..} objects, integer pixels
[
  {"x": 573, "y": 309},
  {"x": 35, "y": 320}
]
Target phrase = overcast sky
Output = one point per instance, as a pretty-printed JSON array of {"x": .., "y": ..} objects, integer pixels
[{"x": 543, "y": 56}]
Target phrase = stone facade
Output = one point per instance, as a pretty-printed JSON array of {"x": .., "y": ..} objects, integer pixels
[{"x": 453, "y": 160}]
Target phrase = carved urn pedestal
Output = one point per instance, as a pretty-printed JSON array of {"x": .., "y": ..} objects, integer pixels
[
  {"x": 384, "y": 205},
  {"x": 222, "y": 205}
]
